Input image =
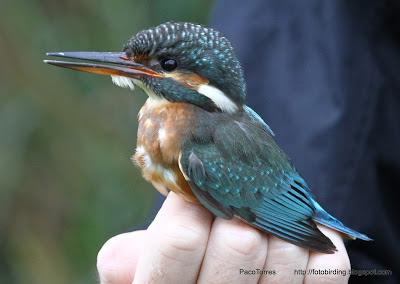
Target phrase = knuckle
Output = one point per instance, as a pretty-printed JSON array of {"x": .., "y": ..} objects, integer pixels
[
  {"x": 244, "y": 241},
  {"x": 183, "y": 239},
  {"x": 287, "y": 249},
  {"x": 290, "y": 254}
]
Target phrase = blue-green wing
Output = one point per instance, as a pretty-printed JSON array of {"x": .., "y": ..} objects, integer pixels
[{"x": 266, "y": 193}]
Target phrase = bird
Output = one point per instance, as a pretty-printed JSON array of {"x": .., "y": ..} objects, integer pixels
[{"x": 198, "y": 138}]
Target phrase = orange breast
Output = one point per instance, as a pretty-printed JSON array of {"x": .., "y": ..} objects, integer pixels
[{"x": 162, "y": 128}]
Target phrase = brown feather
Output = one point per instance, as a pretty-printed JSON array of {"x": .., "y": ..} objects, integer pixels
[{"x": 163, "y": 127}]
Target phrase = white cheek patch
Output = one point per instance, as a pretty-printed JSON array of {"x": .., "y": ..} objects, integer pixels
[
  {"x": 123, "y": 82},
  {"x": 218, "y": 97}
]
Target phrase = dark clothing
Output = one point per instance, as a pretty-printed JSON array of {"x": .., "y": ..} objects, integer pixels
[{"x": 325, "y": 76}]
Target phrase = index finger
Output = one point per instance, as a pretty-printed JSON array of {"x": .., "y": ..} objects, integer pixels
[{"x": 177, "y": 240}]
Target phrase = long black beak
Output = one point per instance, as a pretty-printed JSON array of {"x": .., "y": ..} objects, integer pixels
[{"x": 118, "y": 63}]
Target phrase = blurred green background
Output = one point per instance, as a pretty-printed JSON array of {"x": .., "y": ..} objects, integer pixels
[{"x": 66, "y": 181}]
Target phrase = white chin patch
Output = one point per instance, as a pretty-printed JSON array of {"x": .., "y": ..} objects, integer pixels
[
  {"x": 219, "y": 98},
  {"x": 123, "y": 82}
]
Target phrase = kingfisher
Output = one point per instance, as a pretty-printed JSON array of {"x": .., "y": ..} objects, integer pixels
[{"x": 197, "y": 138}]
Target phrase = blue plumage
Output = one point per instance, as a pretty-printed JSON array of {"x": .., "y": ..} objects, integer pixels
[{"x": 242, "y": 172}]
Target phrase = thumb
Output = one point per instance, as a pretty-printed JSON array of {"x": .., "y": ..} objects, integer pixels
[{"x": 118, "y": 258}]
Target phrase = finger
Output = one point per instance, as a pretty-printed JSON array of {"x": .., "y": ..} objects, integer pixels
[
  {"x": 283, "y": 259},
  {"x": 177, "y": 241},
  {"x": 329, "y": 268},
  {"x": 117, "y": 259},
  {"x": 234, "y": 251}
]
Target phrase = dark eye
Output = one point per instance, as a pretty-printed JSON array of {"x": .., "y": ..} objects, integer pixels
[{"x": 168, "y": 64}]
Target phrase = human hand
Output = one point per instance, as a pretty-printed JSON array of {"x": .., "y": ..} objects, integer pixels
[{"x": 184, "y": 244}]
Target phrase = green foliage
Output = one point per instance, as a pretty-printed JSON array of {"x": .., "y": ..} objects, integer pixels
[{"x": 66, "y": 181}]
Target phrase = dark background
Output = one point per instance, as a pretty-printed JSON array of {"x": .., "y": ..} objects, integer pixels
[{"x": 66, "y": 181}]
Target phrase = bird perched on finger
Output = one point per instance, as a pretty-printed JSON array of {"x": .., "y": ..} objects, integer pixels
[{"x": 197, "y": 137}]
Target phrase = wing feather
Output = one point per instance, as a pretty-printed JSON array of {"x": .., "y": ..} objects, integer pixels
[{"x": 277, "y": 201}]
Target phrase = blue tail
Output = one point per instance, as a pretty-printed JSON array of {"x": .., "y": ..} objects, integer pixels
[{"x": 324, "y": 218}]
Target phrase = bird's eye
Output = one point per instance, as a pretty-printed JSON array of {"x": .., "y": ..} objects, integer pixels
[{"x": 169, "y": 64}]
